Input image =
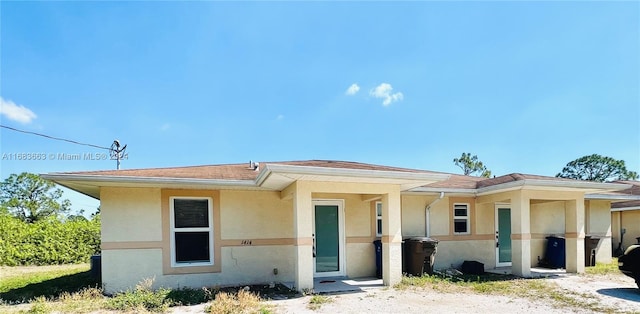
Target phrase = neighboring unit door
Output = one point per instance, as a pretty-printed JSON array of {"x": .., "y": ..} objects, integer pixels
[
  {"x": 503, "y": 235},
  {"x": 328, "y": 239}
]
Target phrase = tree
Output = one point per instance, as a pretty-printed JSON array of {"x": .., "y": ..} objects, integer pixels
[
  {"x": 30, "y": 198},
  {"x": 597, "y": 168},
  {"x": 470, "y": 165}
]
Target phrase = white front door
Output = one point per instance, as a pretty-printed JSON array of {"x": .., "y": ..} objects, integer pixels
[
  {"x": 503, "y": 235},
  {"x": 328, "y": 238}
]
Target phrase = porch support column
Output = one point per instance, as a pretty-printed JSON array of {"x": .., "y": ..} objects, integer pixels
[
  {"x": 303, "y": 240},
  {"x": 391, "y": 238},
  {"x": 574, "y": 235},
  {"x": 521, "y": 234}
]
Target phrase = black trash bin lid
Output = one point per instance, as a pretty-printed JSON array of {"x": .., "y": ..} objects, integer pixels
[{"x": 423, "y": 240}]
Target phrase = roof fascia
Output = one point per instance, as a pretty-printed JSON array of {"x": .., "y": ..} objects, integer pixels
[
  {"x": 126, "y": 179},
  {"x": 617, "y": 197},
  {"x": 623, "y": 209},
  {"x": 360, "y": 173}
]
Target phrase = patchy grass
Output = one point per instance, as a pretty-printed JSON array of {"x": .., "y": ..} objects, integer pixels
[
  {"x": 241, "y": 302},
  {"x": 493, "y": 284},
  {"x": 487, "y": 283},
  {"x": 316, "y": 301},
  {"x": 71, "y": 289},
  {"x": 604, "y": 269},
  {"x": 23, "y": 284}
]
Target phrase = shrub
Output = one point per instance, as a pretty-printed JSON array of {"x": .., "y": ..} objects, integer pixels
[
  {"x": 47, "y": 242},
  {"x": 142, "y": 298},
  {"x": 240, "y": 302}
]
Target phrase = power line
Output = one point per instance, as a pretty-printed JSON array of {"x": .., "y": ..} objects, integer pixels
[{"x": 53, "y": 137}]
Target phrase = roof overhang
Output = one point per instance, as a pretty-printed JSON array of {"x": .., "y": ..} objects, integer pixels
[
  {"x": 423, "y": 190},
  {"x": 272, "y": 177},
  {"x": 590, "y": 188},
  {"x": 555, "y": 185},
  {"x": 278, "y": 177},
  {"x": 90, "y": 184},
  {"x": 622, "y": 209},
  {"x": 612, "y": 197}
]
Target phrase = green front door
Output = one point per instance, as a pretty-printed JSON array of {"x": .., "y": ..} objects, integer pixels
[
  {"x": 327, "y": 240},
  {"x": 503, "y": 236}
]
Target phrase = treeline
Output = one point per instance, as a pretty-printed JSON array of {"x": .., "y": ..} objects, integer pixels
[
  {"x": 48, "y": 241},
  {"x": 35, "y": 227}
]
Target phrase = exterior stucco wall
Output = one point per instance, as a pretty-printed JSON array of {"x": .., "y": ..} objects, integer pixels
[
  {"x": 130, "y": 214},
  {"x": 131, "y": 219},
  {"x": 361, "y": 260},
  {"x": 240, "y": 265},
  {"x": 262, "y": 219},
  {"x": 547, "y": 218},
  {"x": 485, "y": 218},
  {"x": 599, "y": 225},
  {"x": 454, "y": 253},
  {"x": 413, "y": 214},
  {"x": 615, "y": 229},
  {"x": 250, "y": 215},
  {"x": 630, "y": 222},
  {"x": 452, "y": 249}
]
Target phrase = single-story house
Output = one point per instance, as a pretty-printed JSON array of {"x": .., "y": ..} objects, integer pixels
[
  {"x": 625, "y": 216},
  {"x": 295, "y": 221}
]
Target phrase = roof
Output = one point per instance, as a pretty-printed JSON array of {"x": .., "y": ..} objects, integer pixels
[
  {"x": 236, "y": 171},
  {"x": 274, "y": 176},
  {"x": 633, "y": 190},
  {"x": 278, "y": 175},
  {"x": 478, "y": 185}
]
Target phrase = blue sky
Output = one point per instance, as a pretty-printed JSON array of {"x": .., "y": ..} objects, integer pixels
[{"x": 527, "y": 86}]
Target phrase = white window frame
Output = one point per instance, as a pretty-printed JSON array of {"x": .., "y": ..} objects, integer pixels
[
  {"x": 378, "y": 218},
  {"x": 466, "y": 217},
  {"x": 173, "y": 230}
]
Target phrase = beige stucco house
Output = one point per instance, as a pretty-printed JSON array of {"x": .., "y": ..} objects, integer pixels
[
  {"x": 297, "y": 221},
  {"x": 625, "y": 216}
]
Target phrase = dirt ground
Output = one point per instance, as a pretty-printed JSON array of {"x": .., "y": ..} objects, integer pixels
[
  {"x": 613, "y": 293},
  {"x": 616, "y": 293}
]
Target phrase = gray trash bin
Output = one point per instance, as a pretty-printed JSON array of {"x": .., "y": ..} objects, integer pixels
[{"x": 590, "y": 246}]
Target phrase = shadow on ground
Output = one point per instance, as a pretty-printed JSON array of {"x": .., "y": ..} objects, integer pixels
[
  {"x": 631, "y": 294},
  {"x": 51, "y": 288}
]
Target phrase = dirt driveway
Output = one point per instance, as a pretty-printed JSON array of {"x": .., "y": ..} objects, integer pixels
[{"x": 613, "y": 293}]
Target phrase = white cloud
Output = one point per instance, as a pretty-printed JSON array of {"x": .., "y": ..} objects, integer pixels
[
  {"x": 280, "y": 117},
  {"x": 353, "y": 89},
  {"x": 15, "y": 112},
  {"x": 384, "y": 91}
]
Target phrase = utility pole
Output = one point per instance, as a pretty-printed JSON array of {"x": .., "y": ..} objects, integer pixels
[{"x": 116, "y": 152}]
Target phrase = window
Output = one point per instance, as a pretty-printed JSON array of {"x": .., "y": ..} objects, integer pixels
[
  {"x": 461, "y": 218},
  {"x": 378, "y": 219},
  {"x": 191, "y": 231}
]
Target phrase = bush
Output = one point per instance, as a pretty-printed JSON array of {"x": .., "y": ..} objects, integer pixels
[
  {"x": 142, "y": 298},
  {"x": 48, "y": 242}
]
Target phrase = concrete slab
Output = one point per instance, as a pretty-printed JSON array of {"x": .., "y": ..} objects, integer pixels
[
  {"x": 341, "y": 284},
  {"x": 536, "y": 272}
]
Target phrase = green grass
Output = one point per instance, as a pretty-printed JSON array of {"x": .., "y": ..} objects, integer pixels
[
  {"x": 22, "y": 284},
  {"x": 493, "y": 284},
  {"x": 316, "y": 301},
  {"x": 71, "y": 289},
  {"x": 604, "y": 269},
  {"x": 143, "y": 298}
]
